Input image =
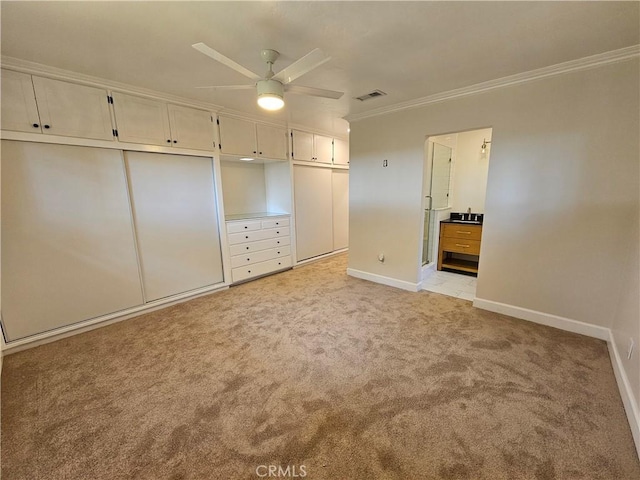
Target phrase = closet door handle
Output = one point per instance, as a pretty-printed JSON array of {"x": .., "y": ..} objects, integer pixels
[
  {"x": 47, "y": 126},
  {"x": 35, "y": 125}
]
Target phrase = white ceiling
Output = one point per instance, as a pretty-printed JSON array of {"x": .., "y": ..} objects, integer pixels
[{"x": 407, "y": 49}]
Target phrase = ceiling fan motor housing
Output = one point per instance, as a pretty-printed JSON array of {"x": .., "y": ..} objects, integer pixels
[{"x": 270, "y": 87}]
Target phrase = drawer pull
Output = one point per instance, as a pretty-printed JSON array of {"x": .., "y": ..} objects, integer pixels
[
  {"x": 277, "y": 233},
  {"x": 247, "y": 248},
  {"x": 248, "y": 259},
  {"x": 279, "y": 263},
  {"x": 278, "y": 242},
  {"x": 466, "y": 233},
  {"x": 246, "y": 236},
  {"x": 277, "y": 223},
  {"x": 460, "y": 245},
  {"x": 248, "y": 271},
  {"x": 246, "y": 226},
  {"x": 278, "y": 253}
]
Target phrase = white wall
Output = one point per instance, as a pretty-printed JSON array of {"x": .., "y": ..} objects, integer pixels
[
  {"x": 470, "y": 170},
  {"x": 243, "y": 187},
  {"x": 562, "y": 191}
]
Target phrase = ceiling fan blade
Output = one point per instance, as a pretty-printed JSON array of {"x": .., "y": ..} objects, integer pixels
[
  {"x": 217, "y": 56},
  {"x": 311, "y": 60},
  {"x": 229, "y": 87},
  {"x": 314, "y": 92}
]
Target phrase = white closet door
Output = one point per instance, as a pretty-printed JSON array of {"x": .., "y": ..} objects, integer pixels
[
  {"x": 314, "y": 219},
  {"x": 340, "y": 190},
  {"x": 68, "y": 250},
  {"x": 176, "y": 222}
]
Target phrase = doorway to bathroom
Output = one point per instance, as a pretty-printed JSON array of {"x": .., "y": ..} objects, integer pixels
[{"x": 455, "y": 182}]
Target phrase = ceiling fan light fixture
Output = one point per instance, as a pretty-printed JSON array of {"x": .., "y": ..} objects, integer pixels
[{"x": 270, "y": 94}]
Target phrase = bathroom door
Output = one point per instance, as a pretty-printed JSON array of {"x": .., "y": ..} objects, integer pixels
[{"x": 436, "y": 195}]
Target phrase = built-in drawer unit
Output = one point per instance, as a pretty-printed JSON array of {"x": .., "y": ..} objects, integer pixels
[
  {"x": 259, "y": 246},
  {"x": 459, "y": 238}
]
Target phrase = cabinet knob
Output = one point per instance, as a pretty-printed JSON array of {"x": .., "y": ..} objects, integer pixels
[
  {"x": 168, "y": 141},
  {"x": 35, "y": 125},
  {"x": 246, "y": 236},
  {"x": 246, "y": 226},
  {"x": 260, "y": 153},
  {"x": 254, "y": 151},
  {"x": 47, "y": 126},
  {"x": 175, "y": 141},
  {"x": 247, "y": 248},
  {"x": 248, "y": 259},
  {"x": 248, "y": 271}
]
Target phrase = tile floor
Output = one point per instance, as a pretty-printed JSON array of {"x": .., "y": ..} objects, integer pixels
[{"x": 452, "y": 284}]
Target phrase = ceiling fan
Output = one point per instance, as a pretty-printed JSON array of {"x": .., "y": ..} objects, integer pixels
[{"x": 272, "y": 86}]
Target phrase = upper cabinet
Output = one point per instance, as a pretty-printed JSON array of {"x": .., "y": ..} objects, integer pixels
[
  {"x": 19, "y": 109},
  {"x": 244, "y": 137},
  {"x": 153, "y": 122},
  {"x": 311, "y": 147},
  {"x": 340, "y": 152},
  {"x": 53, "y": 107}
]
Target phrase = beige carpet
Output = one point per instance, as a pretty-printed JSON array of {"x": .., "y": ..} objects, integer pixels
[{"x": 325, "y": 375}]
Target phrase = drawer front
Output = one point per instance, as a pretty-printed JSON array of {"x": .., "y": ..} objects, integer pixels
[
  {"x": 459, "y": 245},
  {"x": 261, "y": 256},
  {"x": 257, "y": 269},
  {"x": 468, "y": 232},
  {"x": 275, "y": 222},
  {"x": 252, "y": 236},
  {"x": 246, "y": 226},
  {"x": 257, "y": 246}
]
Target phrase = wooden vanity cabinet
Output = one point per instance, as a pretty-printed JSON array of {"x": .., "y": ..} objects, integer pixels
[{"x": 462, "y": 239}]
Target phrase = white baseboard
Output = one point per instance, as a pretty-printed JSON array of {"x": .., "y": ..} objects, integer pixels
[
  {"x": 391, "y": 282},
  {"x": 542, "y": 318},
  {"x": 626, "y": 392},
  {"x": 324, "y": 256}
]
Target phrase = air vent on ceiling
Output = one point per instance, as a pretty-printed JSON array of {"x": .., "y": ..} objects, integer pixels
[{"x": 373, "y": 94}]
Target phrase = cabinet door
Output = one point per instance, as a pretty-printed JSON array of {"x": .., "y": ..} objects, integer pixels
[
  {"x": 141, "y": 120},
  {"x": 73, "y": 110},
  {"x": 237, "y": 137},
  {"x": 313, "y": 210},
  {"x": 176, "y": 223},
  {"x": 68, "y": 251},
  {"x": 323, "y": 147},
  {"x": 340, "y": 152},
  {"x": 191, "y": 128},
  {"x": 340, "y": 191},
  {"x": 272, "y": 141},
  {"x": 302, "y": 147},
  {"x": 19, "y": 110}
]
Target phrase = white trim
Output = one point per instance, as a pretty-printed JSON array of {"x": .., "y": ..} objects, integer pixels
[
  {"x": 552, "y": 70},
  {"x": 302, "y": 263},
  {"x": 104, "y": 320},
  {"x": 391, "y": 282},
  {"x": 626, "y": 392},
  {"x": 113, "y": 144},
  {"x": 542, "y": 318}
]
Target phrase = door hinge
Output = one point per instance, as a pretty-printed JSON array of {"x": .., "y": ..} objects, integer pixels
[
  {"x": 110, "y": 99},
  {"x": 211, "y": 118},
  {"x": 115, "y": 132},
  {"x": 217, "y": 121},
  {"x": 219, "y": 146}
]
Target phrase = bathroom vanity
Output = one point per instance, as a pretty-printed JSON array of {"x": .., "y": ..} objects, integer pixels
[{"x": 459, "y": 247}]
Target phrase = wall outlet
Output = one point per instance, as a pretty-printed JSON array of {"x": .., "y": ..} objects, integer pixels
[{"x": 630, "y": 349}]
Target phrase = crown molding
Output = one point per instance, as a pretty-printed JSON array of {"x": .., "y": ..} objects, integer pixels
[
  {"x": 558, "y": 69},
  {"x": 34, "y": 68}
]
